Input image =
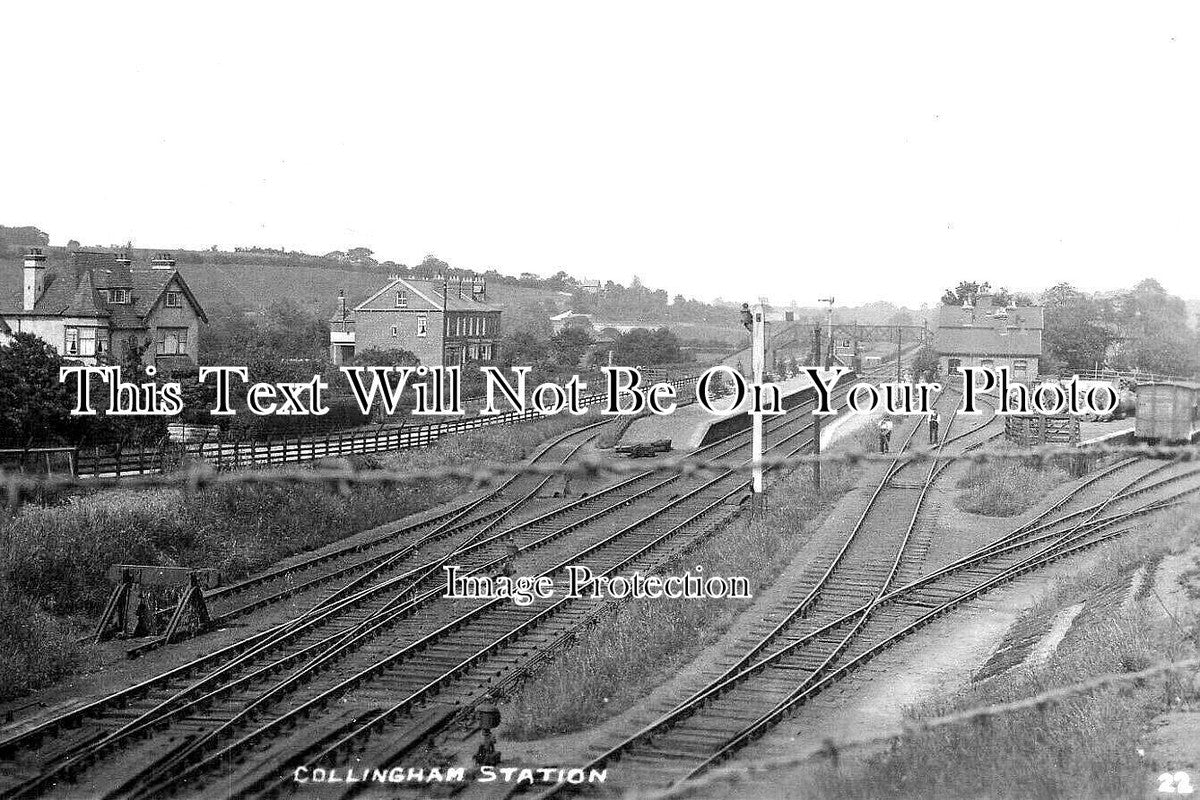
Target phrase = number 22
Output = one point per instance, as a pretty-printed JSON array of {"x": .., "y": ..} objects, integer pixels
[{"x": 1175, "y": 783}]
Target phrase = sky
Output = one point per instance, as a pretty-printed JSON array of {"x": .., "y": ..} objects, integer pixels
[{"x": 868, "y": 151}]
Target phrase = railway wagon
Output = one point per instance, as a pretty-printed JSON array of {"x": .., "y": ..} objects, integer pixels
[{"x": 1167, "y": 411}]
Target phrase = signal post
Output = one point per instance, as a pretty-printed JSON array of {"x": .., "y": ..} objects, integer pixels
[{"x": 755, "y": 321}]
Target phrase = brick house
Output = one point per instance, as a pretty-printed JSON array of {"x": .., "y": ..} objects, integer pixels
[
  {"x": 987, "y": 335},
  {"x": 100, "y": 303},
  {"x": 444, "y": 323}
]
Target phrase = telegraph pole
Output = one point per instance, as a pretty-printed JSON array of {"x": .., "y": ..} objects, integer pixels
[
  {"x": 829, "y": 353},
  {"x": 899, "y": 339}
]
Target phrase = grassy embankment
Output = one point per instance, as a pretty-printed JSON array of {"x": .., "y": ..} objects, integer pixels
[
  {"x": 644, "y": 642},
  {"x": 53, "y": 558},
  {"x": 1090, "y": 746},
  {"x": 1006, "y": 488}
]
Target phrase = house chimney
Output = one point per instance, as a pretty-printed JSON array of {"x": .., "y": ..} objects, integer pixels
[
  {"x": 35, "y": 276},
  {"x": 342, "y": 303},
  {"x": 162, "y": 261}
]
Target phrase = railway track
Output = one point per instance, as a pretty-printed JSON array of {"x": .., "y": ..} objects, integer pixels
[
  {"x": 362, "y": 560},
  {"x": 805, "y": 652},
  {"x": 647, "y": 540},
  {"x": 383, "y": 647}
]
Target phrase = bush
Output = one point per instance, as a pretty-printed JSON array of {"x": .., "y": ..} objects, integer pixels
[
  {"x": 55, "y": 558},
  {"x": 1006, "y": 488},
  {"x": 36, "y": 648}
]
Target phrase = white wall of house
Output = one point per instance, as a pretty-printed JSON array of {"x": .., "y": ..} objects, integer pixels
[{"x": 77, "y": 338}]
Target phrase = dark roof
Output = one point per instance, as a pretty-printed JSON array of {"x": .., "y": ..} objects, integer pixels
[
  {"x": 81, "y": 289},
  {"x": 987, "y": 342}
]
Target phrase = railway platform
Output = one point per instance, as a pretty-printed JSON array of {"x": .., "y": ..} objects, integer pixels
[{"x": 688, "y": 425}]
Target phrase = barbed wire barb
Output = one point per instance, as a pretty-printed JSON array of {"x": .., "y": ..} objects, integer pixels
[{"x": 202, "y": 475}]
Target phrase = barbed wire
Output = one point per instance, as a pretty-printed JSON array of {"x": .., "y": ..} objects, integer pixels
[
  {"x": 830, "y": 751},
  {"x": 204, "y": 475}
]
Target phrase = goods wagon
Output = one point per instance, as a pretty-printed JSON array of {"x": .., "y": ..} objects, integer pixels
[{"x": 1167, "y": 411}]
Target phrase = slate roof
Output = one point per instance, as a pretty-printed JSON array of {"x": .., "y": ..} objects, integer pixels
[
  {"x": 80, "y": 289},
  {"x": 985, "y": 329},
  {"x": 987, "y": 342}
]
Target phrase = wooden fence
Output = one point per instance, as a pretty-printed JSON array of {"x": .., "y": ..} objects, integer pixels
[
  {"x": 1036, "y": 430},
  {"x": 120, "y": 461}
]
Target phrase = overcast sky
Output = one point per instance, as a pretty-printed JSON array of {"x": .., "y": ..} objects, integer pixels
[{"x": 869, "y": 151}]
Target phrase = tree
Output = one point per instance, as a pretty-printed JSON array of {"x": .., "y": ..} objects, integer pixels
[
  {"x": 964, "y": 291},
  {"x": 34, "y": 406},
  {"x": 925, "y": 364},
  {"x": 432, "y": 265},
  {"x": 131, "y": 358},
  {"x": 569, "y": 345},
  {"x": 524, "y": 347},
  {"x": 641, "y": 346},
  {"x": 1158, "y": 337},
  {"x": 1076, "y": 336}
]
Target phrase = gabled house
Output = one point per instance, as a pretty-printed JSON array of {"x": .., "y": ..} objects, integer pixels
[
  {"x": 982, "y": 334},
  {"x": 442, "y": 322},
  {"x": 100, "y": 303}
]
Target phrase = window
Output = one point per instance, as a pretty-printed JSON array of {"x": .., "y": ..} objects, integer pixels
[
  {"x": 171, "y": 341},
  {"x": 401, "y": 299},
  {"x": 173, "y": 300},
  {"x": 1020, "y": 366},
  {"x": 458, "y": 326},
  {"x": 987, "y": 363},
  {"x": 119, "y": 296},
  {"x": 395, "y": 332},
  {"x": 422, "y": 325},
  {"x": 72, "y": 344},
  {"x": 485, "y": 352},
  {"x": 953, "y": 364}
]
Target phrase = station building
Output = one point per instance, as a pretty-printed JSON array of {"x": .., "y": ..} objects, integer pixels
[
  {"x": 442, "y": 322},
  {"x": 982, "y": 334},
  {"x": 98, "y": 303}
]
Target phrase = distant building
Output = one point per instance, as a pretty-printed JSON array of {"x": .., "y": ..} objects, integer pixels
[
  {"x": 591, "y": 287},
  {"x": 987, "y": 335},
  {"x": 100, "y": 303},
  {"x": 569, "y": 319},
  {"x": 459, "y": 327}
]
